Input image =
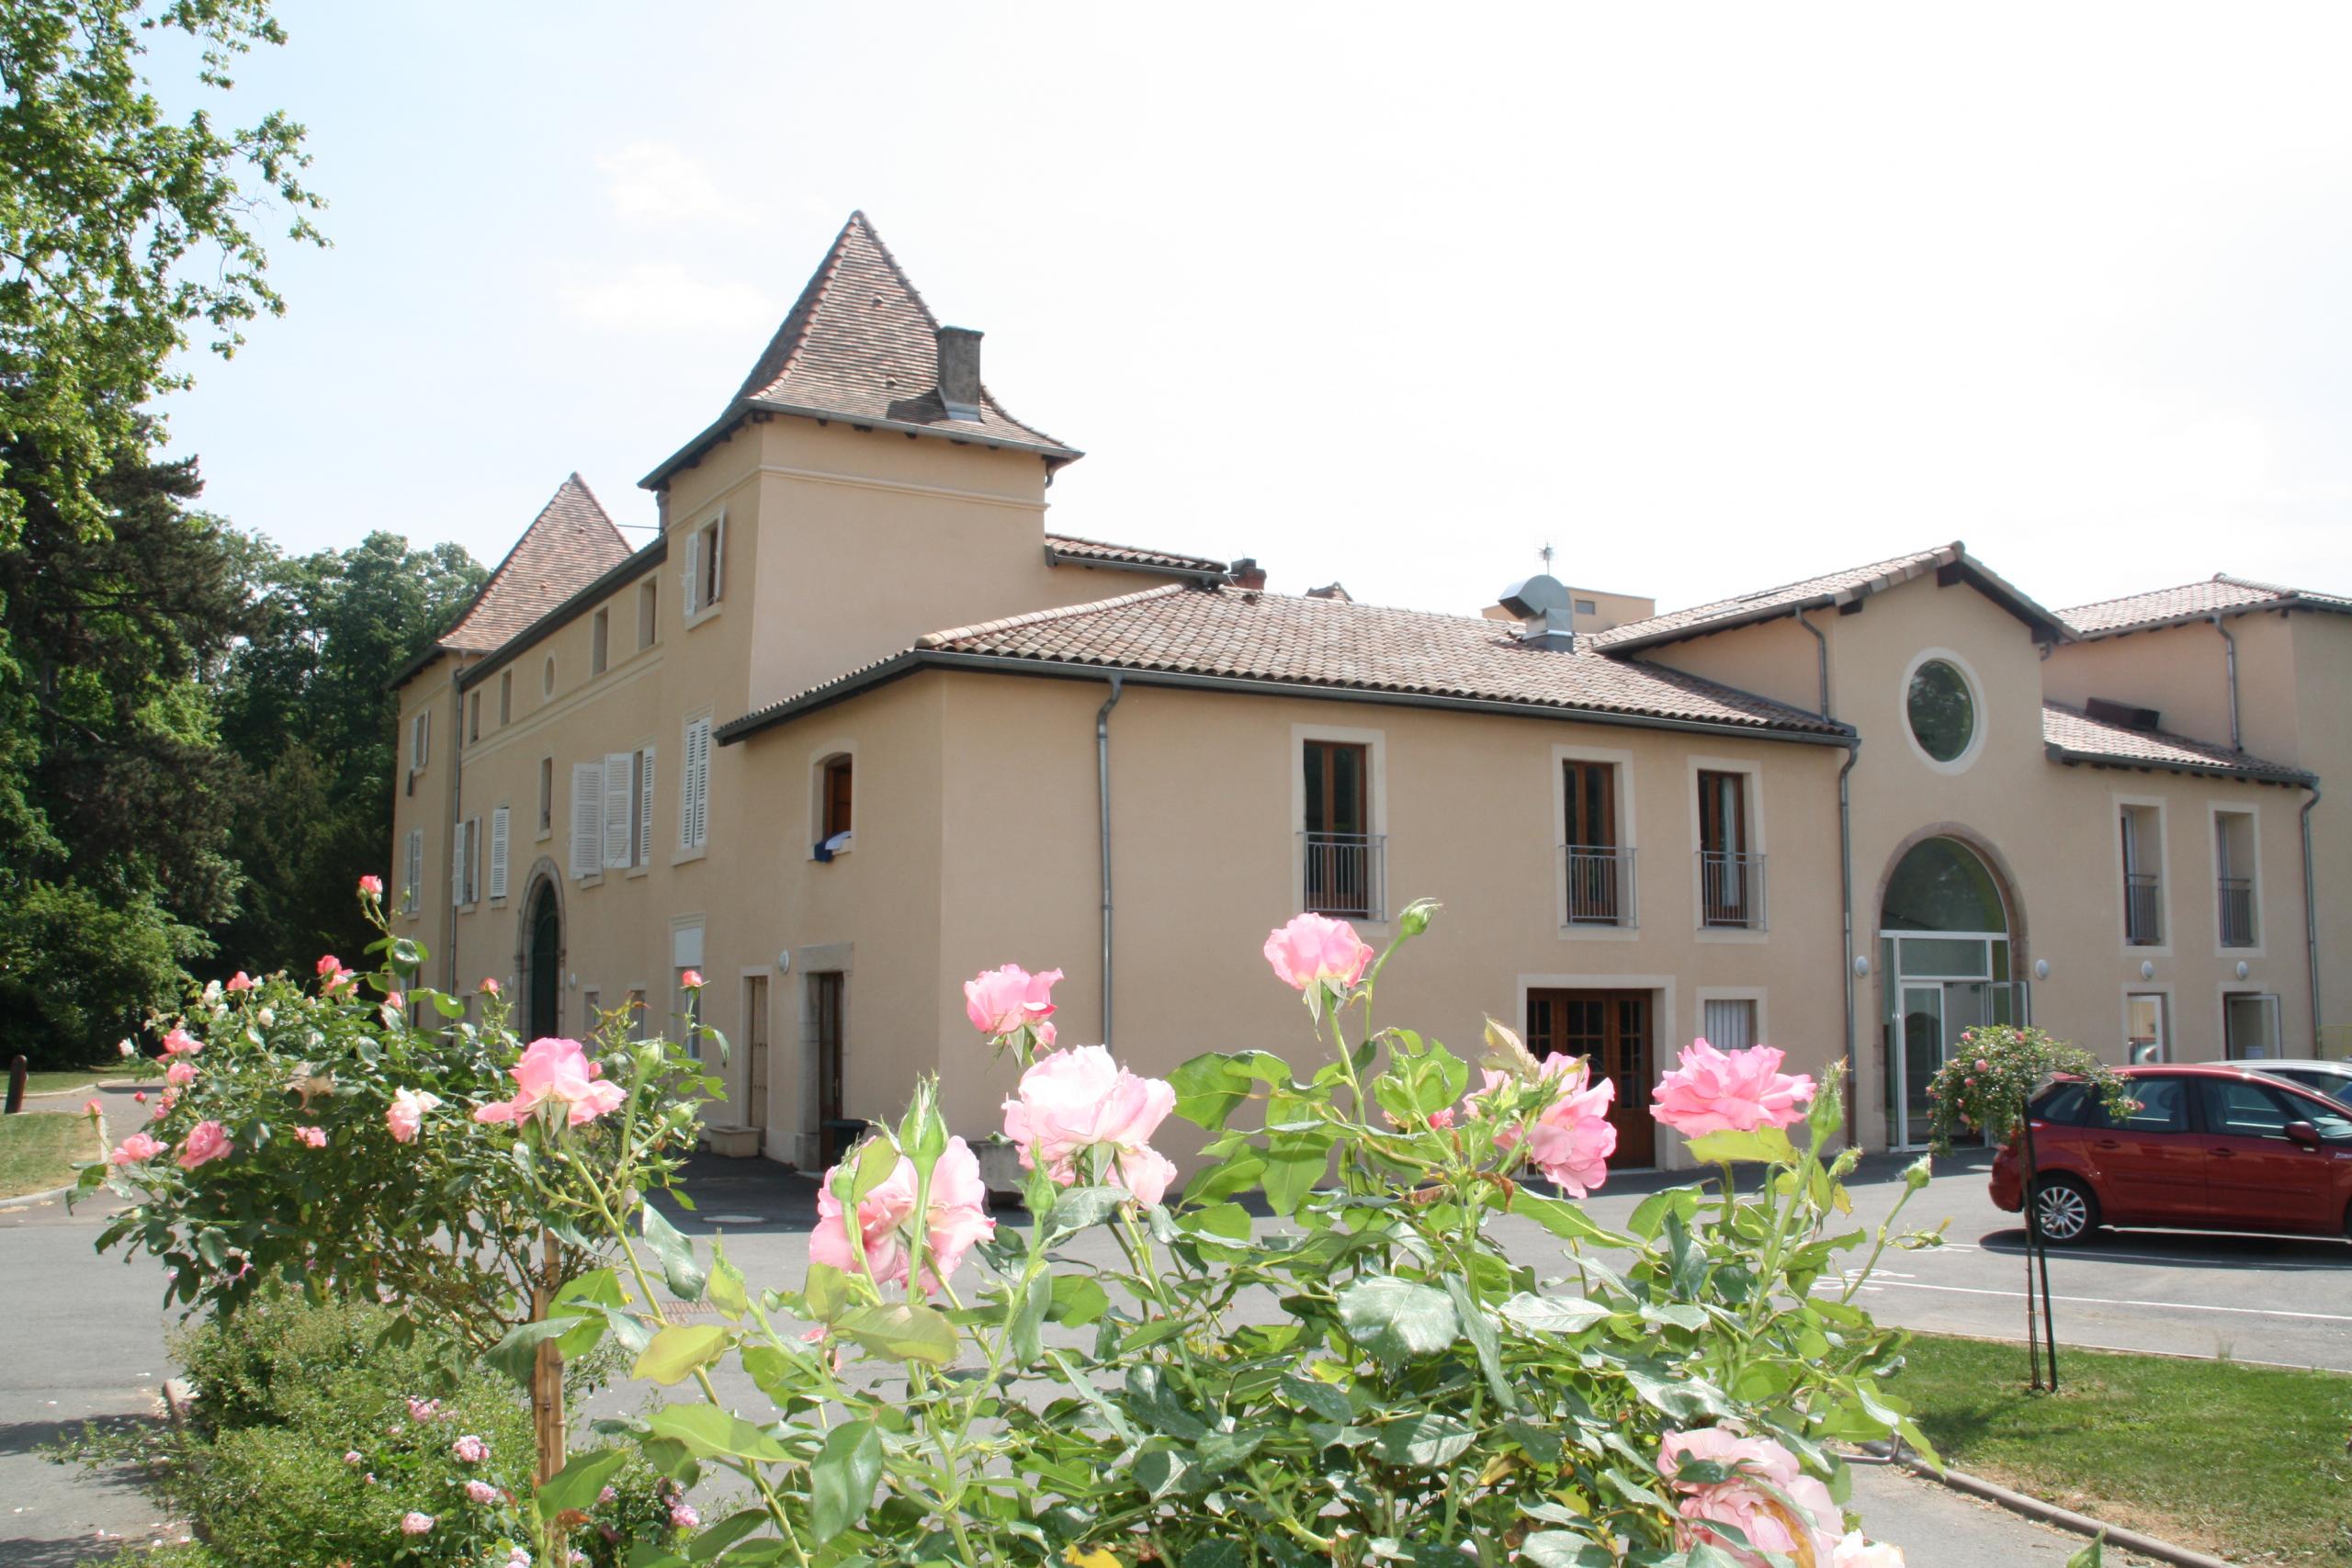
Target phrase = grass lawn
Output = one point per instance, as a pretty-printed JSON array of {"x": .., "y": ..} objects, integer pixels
[
  {"x": 73, "y": 1077},
  {"x": 39, "y": 1149},
  {"x": 2249, "y": 1462}
]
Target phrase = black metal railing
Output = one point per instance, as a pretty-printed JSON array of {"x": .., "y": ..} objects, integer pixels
[
  {"x": 1346, "y": 874},
  {"x": 1731, "y": 890},
  {"x": 2237, "y": 911},
  {"x": 2143, "y": 903},
  {"x": 1599, "y": 882}
]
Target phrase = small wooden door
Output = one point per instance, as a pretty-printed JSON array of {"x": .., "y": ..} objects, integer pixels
[
  {"x": 1610, "y": 1029},
  {"x": 755, "y": 1036},
  {"x": 825, "y": 1032}
]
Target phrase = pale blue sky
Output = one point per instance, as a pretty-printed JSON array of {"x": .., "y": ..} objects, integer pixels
[{"x": 1709, "y": 297}]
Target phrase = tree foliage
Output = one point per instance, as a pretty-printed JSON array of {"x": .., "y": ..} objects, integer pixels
[{"x": 121, "y": 225}]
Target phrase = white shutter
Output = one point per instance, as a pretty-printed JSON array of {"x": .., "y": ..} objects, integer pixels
[
  {"x": 645, "y": 807},
  {"x": 415, "y": 871},
  {"x": 698, "y": 776},
  {"x": 620, "y": 803},
  {"x": 587, "y": 818},
  {"x": 692, "y": 574},
  {"x": 718, "y": 560},
  {"x": 497, "y": 831},
  {"x": 457, "y": 863}
]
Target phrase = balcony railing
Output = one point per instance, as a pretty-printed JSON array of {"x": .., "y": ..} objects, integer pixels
[
  {"x": 1731, "y": 891},
  {"x": 1600, "y": 881},
  {"x": 2237, "y": 911},
  {"x": 1347, "y": 874},
  {"x": 2144, "y": 923}
]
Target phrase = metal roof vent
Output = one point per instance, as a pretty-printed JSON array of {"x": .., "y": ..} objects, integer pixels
[{"x": 1545, "y": 611}]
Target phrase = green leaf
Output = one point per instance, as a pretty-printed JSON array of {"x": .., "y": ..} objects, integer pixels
[
  {"x": 680, "y": 1271},
  {"x": 1210, "y": 1088},
  {"x": 2089, "y": 1556},
  {"x": 577, "y": 1484},
  {"x": 1077, "y": 1208},
  {"x": 1295, "y": 1163},
  {"x": 1024, "y": 1334},
  {"x": 1553, "y": 1314},
  {"x": 598, "y": 1288},
  {"x": 1214, "y": 1183},
  {"x": 677, "y": 1351},
  {"x": 826, "y": 1293},
  {"x": 876, "y": 1159},
  {"x": 843, "y": 1477},
  {"x": 1769, "y": 1144},
  {"x": 515, "y": 1353},
  {"x": 1214, "y": 1554},
  {"x": 1480, "y": 1330},
  {"x": 900, "y": 1331},
  {"x": 1425, "y": 1441},
  {"x": 1077, "y": 1301},
  {"x": 725, "y": 1533},
  {"x": 1565, "y": 1220},
  {"x": 1559, "y": 1549},
  {"x": 727, "y": 1291},
  {"x": 708, "y": 1432},
  {"x": 1395, "y": 1318}
]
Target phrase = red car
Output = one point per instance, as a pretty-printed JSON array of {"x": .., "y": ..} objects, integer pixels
[{"x": 2214, "y": 1148}]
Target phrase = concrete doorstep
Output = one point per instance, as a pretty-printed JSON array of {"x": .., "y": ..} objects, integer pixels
[{"x": 2049, "y": 1513}]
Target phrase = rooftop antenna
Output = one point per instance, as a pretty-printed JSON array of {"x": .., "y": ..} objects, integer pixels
[{"x": 1546, "y": 553}]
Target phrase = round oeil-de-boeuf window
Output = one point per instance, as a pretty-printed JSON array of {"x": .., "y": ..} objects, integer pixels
[{"x": 1943, "y": 714}]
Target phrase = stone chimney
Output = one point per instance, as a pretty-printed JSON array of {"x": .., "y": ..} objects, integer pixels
[
  {"x": 960, "y": 372},
  {"x": 1248, "y": 573}
]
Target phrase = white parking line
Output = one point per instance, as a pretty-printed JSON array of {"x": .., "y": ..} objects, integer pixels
[
  {"x": 2103, "y": 1301},
  {"x": 2102, "y": 1255}
]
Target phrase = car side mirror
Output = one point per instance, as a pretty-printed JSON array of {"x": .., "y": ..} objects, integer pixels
[{"x": 2302, "y": 1133}]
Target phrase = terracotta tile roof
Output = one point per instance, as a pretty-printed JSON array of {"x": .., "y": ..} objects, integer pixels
[
  {"x": 1064, "y": 546},
  {"x": 1820, "y": 593},
  {"x": 569, "y": 544},
  {"x": 1276, "y": 637},
  {"x": 2222, "y": 594},
  {"x": 861, "y": 342},
  {"x": 2069, "y": 734}
]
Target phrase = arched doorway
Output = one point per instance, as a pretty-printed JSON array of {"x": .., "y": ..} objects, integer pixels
[
  {"x": 542, "y": 965},
  {"x": 1944, "y": 962}
]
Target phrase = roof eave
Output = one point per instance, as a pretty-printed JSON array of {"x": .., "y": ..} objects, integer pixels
[
  {"x": 420, "y": 664},
  {"x": 1206, "y": 575},
  {"x": 2289, "y": 777},
  {"x": 617, "y": 575},
  {"x": 2199, "y": 617},
  {"x": 691, "y": 453},
  {"x": 906, "y": 663}
]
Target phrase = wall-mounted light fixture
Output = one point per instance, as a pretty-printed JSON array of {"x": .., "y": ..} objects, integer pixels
[
  {"x": 2147, "y": 968},
  {"x": 2245, "y": 968},
  {"x": 784, "y": 962},
  {"x": 1861, "y": 966},
  {"x": 2042, "y": 969}
]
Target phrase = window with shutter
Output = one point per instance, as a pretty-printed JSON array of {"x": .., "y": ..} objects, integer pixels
[
  {"x": 715, "y": 588},
  {"x": 644, "y": 848},
  {"x": 413, "y": 871},
  {"x": 694, "y": 794},
  {"x": 690, "y": 576},
  {"x": 587, "y": 818},
  {"x": 498, "y": 836},
  {"x": 620, "y": 808},
  {"x": 457, "y": 863}
]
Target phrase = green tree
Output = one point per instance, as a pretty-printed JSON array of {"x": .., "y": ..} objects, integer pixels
[
  {"x": 120, "y": 227},
  {"x": 303, "y": 703}
]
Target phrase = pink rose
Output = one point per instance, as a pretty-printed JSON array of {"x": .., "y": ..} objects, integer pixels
[
  {"x": 482, "y": 1491},
  {"x": 1572, "y": 1139},
  {"x": 1983, "y": 1065},
  {"x": 1079, "y": 1099},
  {"x": 958, "y": 1218},
  {"x": 1313, "y": 949},
  {"x": 394, "y": 1000},
  {"x": 682, "y": 1516},
  {"x": 162, "y": 1108},
  {"x": 179, "y": 1042},
  {"x": 608, "y": 1495},
  {"x": 1764, "y": 1520},
  {"x": 469, "y": 1449},
  {"x": 690, "y": 979},
  {"x": 330, "y": 964},
  {"x": 999, "y": 1001},
  {"x": 240, "y": 981},
  {"x": 313, "y": 1137},
  {"x": 95, "y": 1111},
  {"x": 139, "y": 1097},
  {"x": 372, "y": 885},
  {"x": 406, "y": 1115},
  {"x": 1720, "y": 1091},
  {"x": 351, "y": 1458},
  {"x": 421, "y": 1411},
  {"x": 125, "y": 1049},
  {"x": 489, "y": 985},
  {"x": 1854, "y": 1551},
  {"x": 206, "y": 1141},
  {"x": 136, "y": 1150},
  {"x": 179, "y": 1075},
  {"x": 555, "y": 1072},
  {"x": 415, "y": 1523}
]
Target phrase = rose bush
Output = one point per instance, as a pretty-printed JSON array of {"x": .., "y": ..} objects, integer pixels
[
  {"x": 1984, "y": 1086},
  {"x": 1133, "y": 1375}
]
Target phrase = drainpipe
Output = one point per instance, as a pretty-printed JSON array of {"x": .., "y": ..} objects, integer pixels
[
  {"x": 1845, "y": 873},
  {"x": 2310, "y": 917},
  {"x": 2233, "y": 660},
  {"x": 1102, "y": 793}
]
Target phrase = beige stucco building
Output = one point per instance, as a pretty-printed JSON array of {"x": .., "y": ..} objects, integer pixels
[{"x": 858, "y": 725}]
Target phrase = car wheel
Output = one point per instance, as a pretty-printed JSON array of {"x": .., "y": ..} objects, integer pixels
[{"x": 2065, "y": 1211}]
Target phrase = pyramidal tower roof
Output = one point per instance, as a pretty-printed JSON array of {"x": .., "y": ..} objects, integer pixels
[
  {"x": 861, "y": 345},
  {"x": 568, "y": 545}
]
